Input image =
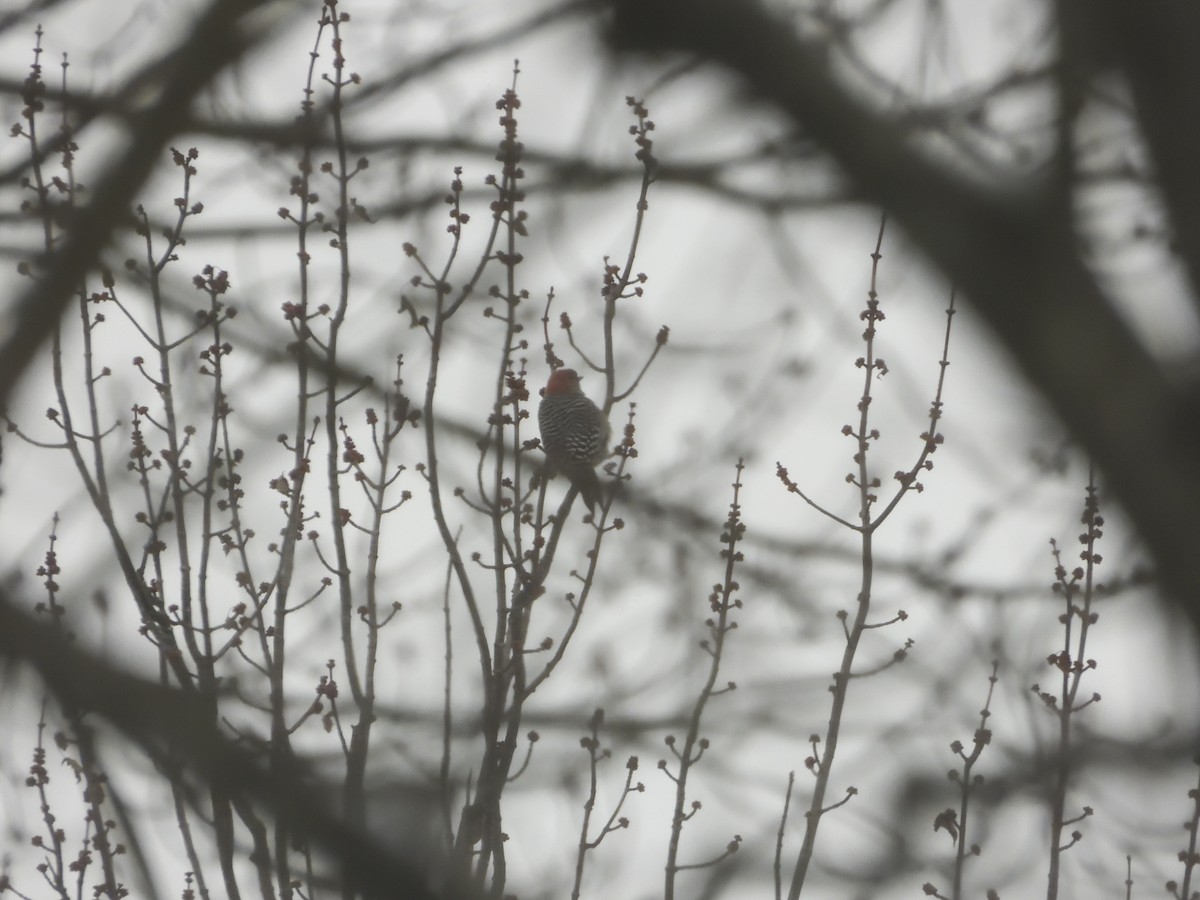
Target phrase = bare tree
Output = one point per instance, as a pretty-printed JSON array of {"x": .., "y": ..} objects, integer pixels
[{"x": 310, "y": 616}]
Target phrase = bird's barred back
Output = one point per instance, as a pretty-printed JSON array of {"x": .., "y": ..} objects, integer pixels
[{"x": 573, "y": 429}]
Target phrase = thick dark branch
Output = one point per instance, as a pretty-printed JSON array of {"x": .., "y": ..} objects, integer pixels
[
  {"x": 218, "y": 37},
  {"x": 1158, "y": 47},
  {"x": 1011, "y": 247},
  {"x": 157, "y": 717}
]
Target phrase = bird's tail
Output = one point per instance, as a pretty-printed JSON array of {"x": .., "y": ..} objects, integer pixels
[{"x": 588, "y": 484}]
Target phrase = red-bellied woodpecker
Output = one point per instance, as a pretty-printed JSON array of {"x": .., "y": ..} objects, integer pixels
[{"x": 574, "y": 433}]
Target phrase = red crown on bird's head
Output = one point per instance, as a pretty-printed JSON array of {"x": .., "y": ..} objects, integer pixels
[{"x": 562, "y": 381}]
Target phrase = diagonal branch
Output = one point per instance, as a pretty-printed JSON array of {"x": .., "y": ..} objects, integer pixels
[
  {"x": 219, "y": 36},
  {"x": 156, "y": 717},
  {"x": 1011, "y": 247}
]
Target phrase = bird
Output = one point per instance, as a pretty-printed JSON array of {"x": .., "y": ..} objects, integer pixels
[{"x": 574, "y": 433}]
